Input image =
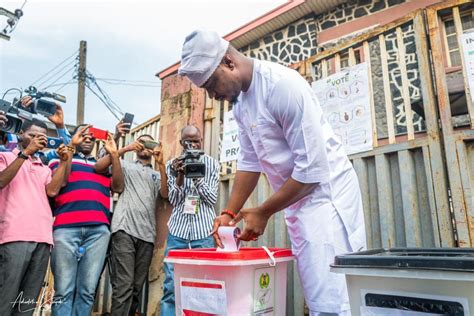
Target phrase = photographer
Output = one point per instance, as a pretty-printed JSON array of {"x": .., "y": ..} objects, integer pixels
[
  {"x": 81, "y": 227},
  {"x": 189, "y": 227},
  {"x": 134, "y": 221},
  {"x": 25, "y": 218}
]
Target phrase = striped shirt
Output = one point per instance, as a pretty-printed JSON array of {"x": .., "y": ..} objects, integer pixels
[
  {"x": 194, "y": 226},
  {"x": 85, "y": 200}
]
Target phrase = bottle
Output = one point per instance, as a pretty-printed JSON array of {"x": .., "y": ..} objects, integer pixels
[{"x": 80, "y": 252}]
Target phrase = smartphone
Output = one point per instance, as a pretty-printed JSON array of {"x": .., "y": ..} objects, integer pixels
[
  {"x": 54, "y": 142},
  {"x": 128, "y": 118},
  {"x": 149, "y": 144},
  {"x": 98, "y": 133}
]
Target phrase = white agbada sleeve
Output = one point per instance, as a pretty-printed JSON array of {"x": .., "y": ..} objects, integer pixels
[
  {"x": 248, "y": 160},
  {"x": 296, "y": 109}
]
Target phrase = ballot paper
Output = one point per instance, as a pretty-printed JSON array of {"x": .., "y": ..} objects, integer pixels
[{"x": 229, "y": 239}]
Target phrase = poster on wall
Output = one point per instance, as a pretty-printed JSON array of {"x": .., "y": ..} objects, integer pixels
[
  {"x": 345, "y": 100},
  {"x": 230, "y": 139},
  {"x": 467, "y": 40}
]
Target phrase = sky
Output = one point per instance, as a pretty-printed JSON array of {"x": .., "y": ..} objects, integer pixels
[{"x": 126, "y": 40}]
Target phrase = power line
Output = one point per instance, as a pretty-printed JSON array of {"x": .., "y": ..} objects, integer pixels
[
  {"x": 23, "y": 4},
  {"x": 65, "y": 84},
  {"x": 111, "y": 103},
  {"x": 103, "y": 101},
  {"x": 54, "y": 68},
  {"x": 73, "y": 80},
  {"x": 44, "y": 82},
  {"x": 60, "y": 77}
]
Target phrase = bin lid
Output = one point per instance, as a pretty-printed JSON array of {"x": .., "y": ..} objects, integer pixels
[
  {"x": 244, "y": 254},
  {"x": 445, "y": 259}
]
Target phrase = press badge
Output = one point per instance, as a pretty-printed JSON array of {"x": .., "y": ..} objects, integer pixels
[{"x": 191, "y": 204}]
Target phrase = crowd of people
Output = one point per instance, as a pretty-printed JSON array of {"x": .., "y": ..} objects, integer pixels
[{"x": 56, "y": 207}]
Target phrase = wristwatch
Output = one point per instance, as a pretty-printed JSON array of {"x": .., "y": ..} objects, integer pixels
[{"x": 22, "y": 155}]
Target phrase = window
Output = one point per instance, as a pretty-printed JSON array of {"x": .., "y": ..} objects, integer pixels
[{"x": 452, "y": 48}]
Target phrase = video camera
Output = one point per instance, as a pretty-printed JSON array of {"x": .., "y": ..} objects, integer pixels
[
  {"x": 193, "y": 167},
  {"x": 15, "y": 111}
]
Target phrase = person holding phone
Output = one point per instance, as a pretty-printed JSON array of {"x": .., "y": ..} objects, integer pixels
[
  {"x": 81, "y": 227},
  {"x": 134, "y": 221}
]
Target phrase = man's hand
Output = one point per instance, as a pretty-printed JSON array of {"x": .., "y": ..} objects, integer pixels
[
  {"x": 135, "y": 146},
  {"x": 26, "y": 101},
  {"x": 110, "y": 145},
  {"x": 63, "y": 152},
  {"x": 158, "y": 154},
  {"x": 222, "y": 220},
  {"x": 58, "y": 117},
  {"x": 37, "y": 143},
  {"x": 178, "y": 165},
  {"x": 78, "y": 138},
  {"x": 121, "y": 129},
  {"x": 3, "y": 119},
  {"x": 255, "y": 220}
]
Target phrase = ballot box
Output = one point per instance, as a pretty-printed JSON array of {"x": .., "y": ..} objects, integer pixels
[{"x": 251, "y": 281}]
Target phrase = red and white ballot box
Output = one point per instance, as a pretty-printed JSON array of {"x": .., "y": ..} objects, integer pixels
[{"x": 251, "y": 281}]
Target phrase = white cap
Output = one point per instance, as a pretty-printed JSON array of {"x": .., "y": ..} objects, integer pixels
[{"x": 201, "y": 55}]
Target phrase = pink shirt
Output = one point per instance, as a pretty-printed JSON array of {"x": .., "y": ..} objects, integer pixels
[{"x": 25, "y": 214}]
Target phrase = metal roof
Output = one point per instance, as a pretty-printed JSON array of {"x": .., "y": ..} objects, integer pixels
[{"x": 277, "y": 18}]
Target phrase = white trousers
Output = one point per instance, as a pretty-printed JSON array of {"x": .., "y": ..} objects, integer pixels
[{"x": 317, "y": 235}]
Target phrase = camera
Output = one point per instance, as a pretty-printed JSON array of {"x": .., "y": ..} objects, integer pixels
[
  {"x": 40, "y": 105},
  {"x": 15, "y": 112},
  {"x": 193, "y": 167},
  {"x": 13, "y": 125}
]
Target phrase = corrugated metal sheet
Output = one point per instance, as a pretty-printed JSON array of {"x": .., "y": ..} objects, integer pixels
[
  {"x": 395, "y": 187},
  {"x": 457, "y": 141}
]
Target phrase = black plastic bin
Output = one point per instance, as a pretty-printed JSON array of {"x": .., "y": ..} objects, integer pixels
[{"x": 409, "y": 281}]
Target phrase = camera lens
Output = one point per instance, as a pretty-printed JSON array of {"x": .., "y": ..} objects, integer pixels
[{"x": 12, "y": 126}]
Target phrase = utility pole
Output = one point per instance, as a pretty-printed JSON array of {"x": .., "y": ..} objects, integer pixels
[{"x": 81, "y": 87}]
